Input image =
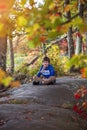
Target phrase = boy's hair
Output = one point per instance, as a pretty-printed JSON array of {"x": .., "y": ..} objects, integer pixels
[{"x": 46, "y": 59}]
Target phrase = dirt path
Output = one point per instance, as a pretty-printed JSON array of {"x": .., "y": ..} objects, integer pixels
[{"x": 41, "y": 107}]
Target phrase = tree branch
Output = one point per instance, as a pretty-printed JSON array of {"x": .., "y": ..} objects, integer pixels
[{"x": 73, "y": 17}]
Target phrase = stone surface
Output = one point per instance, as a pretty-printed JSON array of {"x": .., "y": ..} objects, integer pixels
[{"x": 46, "y": 107}]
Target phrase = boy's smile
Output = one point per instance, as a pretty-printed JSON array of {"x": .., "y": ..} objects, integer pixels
[{"x": 45, "y": 64}]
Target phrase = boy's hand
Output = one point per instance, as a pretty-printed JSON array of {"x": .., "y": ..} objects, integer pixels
[
  {"x": 43, "y": 68},
  {"x": 44, "y": 80}
]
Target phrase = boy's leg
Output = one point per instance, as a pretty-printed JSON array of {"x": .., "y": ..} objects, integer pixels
[
  {"x": 49, "y": 81},
  {"x": 37, "y": 80},
  {"x": 35, "y": 83}
]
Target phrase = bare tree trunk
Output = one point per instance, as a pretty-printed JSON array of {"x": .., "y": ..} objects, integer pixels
[
  {"x": 3, "y": 52},
  {"x": 78, "y": 49},
  {"x": 44, "y": 49},
  {"x": 70, "y": 43},
  {"x": 70, "y": 37},
  {"x": 80, "y": 8},
  {"x": 11, "y": 55}
]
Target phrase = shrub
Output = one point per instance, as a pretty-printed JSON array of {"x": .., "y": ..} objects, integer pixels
[{"x": 58, "y": 61}]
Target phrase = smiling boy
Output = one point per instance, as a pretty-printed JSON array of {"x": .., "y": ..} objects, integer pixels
[{"x": 46, "y": 74}]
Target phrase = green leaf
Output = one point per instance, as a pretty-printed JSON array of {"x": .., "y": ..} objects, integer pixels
[
  {"x": 52, "y": 35},
  {"x": 57, "y": 22},
  {"x": 48, "y": 24},
  {"x": 31, "y": 44}
]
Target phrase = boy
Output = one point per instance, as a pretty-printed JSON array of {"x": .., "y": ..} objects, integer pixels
[{"x": 46, "y": 74}]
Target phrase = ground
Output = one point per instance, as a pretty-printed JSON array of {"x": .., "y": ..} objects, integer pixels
[{"x": 46, "y": 107}]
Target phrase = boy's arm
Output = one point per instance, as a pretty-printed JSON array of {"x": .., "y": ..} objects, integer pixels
[
  {"x": 39, "y": 73},
  {"x": 52, "y": 72}
]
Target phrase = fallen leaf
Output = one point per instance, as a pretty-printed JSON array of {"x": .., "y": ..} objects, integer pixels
[{"x": 28, "y": 118}]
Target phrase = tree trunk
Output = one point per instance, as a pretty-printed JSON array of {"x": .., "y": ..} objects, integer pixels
[
  {"x": 3, "y": 52},
  {"x": 44, "y": 49},
  {"x": 70, "y": 37},
  {"x": 80, "y": 9},
  {"x": 78, "y": 49},
  {"x": 67, "y": 14},
  {"x": 70, "y": 43},
  {"x": 11, "y": 55},
  {"x": 86, "y": 42}
]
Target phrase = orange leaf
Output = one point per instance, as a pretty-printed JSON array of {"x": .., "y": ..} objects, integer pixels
[
  {"x": 15, "y": 84},
  {"x": 84, "y": 75},
  {"x": 82, "y": 70},
  {"x": 42, "y": 38},
  {"x": 67, "y": 8},
  {"x": 5, "y": 5},
  {"x": 2, "y": 75}
]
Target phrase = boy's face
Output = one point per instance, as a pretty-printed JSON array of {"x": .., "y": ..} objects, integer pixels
[{"x": 45, "y": 63}]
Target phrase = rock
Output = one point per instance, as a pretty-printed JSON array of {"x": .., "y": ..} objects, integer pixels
[{"x": 46, "y": 107}]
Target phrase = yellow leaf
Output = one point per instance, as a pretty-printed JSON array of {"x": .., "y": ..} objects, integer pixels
[
  {"x": 3, "y": 30},
  {"x": 36, "y": 27},
  {"x": 53, "y": 18},
  {"x": 29, "y": 30},
  {"x": 2, "y": 74},
  {"x": 6, "y": 81},
  {"x": 52, "y": 6},
  {"x": 21, "y": 21},
  {"x": 23, "y": 2},
  {"x": 1, "y": 27}
]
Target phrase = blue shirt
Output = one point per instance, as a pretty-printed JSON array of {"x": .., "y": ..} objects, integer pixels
[{"x": 47, "y": 72}]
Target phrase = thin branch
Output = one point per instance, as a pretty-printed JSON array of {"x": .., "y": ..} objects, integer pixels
[
  {"x": 59, "y": 40},
  {"x": 73, "y": 17}
]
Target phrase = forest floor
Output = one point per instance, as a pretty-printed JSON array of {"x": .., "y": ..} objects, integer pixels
[{"x": 45, "y": 107}]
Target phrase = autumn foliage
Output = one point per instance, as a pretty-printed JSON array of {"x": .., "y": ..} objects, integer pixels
[
  {"x": 84, "y": 72},
  {"x": 81, "y": 106},
  {"x": 7, "y": 80}
]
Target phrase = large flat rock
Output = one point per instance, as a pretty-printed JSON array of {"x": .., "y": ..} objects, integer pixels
[{"x": 46, "y": 107}]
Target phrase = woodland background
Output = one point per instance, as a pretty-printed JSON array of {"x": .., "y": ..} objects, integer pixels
[{"x": 29, "y": 31}]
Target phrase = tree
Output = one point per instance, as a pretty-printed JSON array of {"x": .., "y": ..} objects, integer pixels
[
  {"x": 11, "y": 55},
  {"x": 70, "y": 37},
  {"x": 45, "y": 22},
  {"x": 4, "y": 7},
  {"x": 3, "y": 50}
]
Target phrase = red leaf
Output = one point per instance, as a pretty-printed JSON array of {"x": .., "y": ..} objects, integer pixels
[
  {"x": 58, "y": 14},
  {"x": 77, "y": 96},
  {"x": 28, "y": 118},
  {"x": 78, "y": 34}
]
